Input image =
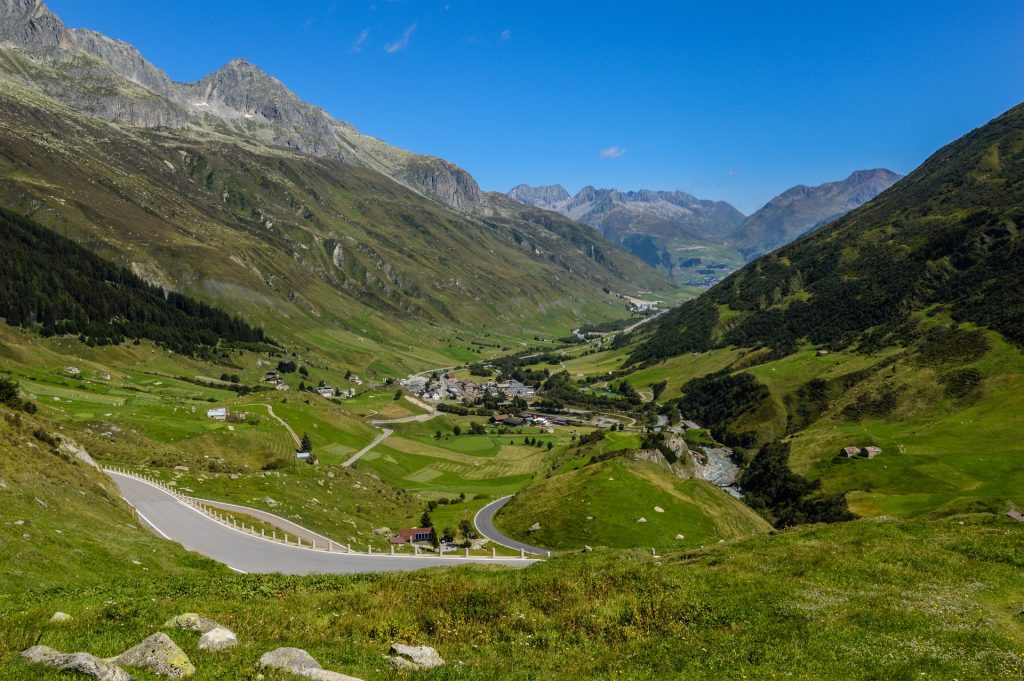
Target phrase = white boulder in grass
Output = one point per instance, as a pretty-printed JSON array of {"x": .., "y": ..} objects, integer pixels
[
  {"x": 301, "y": 663},
  {"x": 423, "y": 657},
  {"x": 217, "y": 638}
]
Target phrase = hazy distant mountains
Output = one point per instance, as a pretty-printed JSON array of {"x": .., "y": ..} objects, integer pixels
[
  {"x": 802, "y": 209},
  {"x": 699, "y": 241},
  {"x": 618, "y": 213}
]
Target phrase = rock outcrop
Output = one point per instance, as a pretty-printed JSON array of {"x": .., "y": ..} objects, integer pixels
[
  {"x": 191, "y": 621},
  {"x": 159, "y": 654},
  {"x": 78, "y": 663}
]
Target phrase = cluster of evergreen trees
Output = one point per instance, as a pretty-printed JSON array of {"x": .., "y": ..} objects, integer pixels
[
  {"x": 51, "y": 283},
  {"x": 718, "y": 401}
]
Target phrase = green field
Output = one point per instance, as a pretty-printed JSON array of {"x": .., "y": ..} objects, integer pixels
[{"x": 493, "y": 464}]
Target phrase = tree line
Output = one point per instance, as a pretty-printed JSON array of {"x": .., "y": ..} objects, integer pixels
[{"x": 52, "y": 284}]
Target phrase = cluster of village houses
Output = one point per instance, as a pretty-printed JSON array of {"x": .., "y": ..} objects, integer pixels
[
  {"x": 534, "y": 420},
  {"x": 448, "y": 387},
  {"x": 327, "y": 391}
]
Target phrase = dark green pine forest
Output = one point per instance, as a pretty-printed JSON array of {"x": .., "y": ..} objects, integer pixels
[{"x": 51, "y": 283}]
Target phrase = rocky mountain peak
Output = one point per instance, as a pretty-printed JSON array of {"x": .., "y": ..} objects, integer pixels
[
  {"x": 801, "y": 209},
  {"x": 30, "y": 24},
  {"x": 116, "y": 83},
  {"x": 549, "y": 197}
]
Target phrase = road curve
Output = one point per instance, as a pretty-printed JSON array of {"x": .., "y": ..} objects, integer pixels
[
  {"x": 484, "y": 521},
  {"x": 176, "y": 521},
  {"x": 283, "y": 524}
]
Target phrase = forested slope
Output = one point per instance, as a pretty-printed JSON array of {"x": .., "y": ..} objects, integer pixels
[
  {"x": 947, "y": 237},
  {"x": 50, "y": 282}
]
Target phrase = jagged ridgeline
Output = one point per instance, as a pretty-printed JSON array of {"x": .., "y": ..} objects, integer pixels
[
  {"x": 51, "y": 283},
  {"x": 946, "y": 238}
]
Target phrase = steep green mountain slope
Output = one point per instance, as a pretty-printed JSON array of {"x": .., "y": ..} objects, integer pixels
[
  {"x": 898, "y": 326},
  {"x": 50, "y": 281},
  {"x": 947, "y": 237}
]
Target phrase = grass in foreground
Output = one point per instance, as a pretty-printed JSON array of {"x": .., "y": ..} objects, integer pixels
[{"x": 862, "y": 600}]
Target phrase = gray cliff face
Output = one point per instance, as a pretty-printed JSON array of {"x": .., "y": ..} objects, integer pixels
[
  {"x": 30, "y": 24},
  {"x": 110, "y": 79},
  {"x": 444, "y": 182},
  {"x": 550, "y": 197},
  {"x": 802, "y": 209}
]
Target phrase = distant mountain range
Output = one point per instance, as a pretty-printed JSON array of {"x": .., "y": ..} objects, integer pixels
[
  {"x": 699, "y": 241},
  {"x": 803, "y": 209}
]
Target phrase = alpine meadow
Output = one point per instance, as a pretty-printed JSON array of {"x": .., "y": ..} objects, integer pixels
[{"x": 283, "y": 400}]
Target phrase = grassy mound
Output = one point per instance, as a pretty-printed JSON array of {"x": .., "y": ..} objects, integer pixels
[{"x": 617, "y": 494}]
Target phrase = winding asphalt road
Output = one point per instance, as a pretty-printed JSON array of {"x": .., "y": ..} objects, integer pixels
[
  {"x": 484, "y": 521},
  {"x": 175, "y": 520}
]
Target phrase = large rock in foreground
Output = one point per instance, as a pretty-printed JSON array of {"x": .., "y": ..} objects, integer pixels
[
  {"x": 298, "y": 661},
  {"x": 159, "y": 654},
  {"x": 80, "y": 663}
]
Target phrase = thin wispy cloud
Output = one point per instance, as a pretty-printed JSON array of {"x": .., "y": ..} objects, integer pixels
[
  {"x": 402, "y": 42},
  {"x": 357, "y": 44},
  {"x": 506, "y": 34},
  {"x": 613, "y": 152}
]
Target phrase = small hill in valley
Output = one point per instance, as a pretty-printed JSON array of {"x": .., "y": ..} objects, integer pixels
[{"x": 615, "y": 503}]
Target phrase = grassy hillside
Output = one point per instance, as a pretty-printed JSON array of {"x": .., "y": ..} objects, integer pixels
[
  {"x": 601, "y": 505},
  {"x": 947, "y": 237},
  {"x": 896, "y": 326},
  {"x": 863, "y": 600},
  {"x": 321, "y": 254}
]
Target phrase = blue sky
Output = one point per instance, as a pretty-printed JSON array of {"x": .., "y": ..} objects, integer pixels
[{"x": 726, "y": 100}]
